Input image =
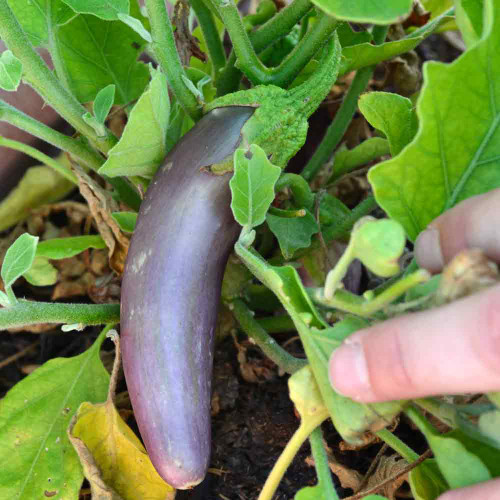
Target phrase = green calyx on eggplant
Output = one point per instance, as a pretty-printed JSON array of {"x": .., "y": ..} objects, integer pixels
[{"x": 170, "y": 295}]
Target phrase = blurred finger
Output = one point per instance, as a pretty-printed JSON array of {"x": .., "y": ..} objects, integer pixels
[
  {"x": 447, "y": 350},
  {"x": 473, "y": 223},
  {"x": 490, "y": 490}
]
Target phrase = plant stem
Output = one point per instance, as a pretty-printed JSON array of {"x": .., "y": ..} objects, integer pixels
[
  {"x": 41, "y": 157},
  {"x": 168, "y": 58},
  {"x": 445, "y": 413},
  {"x": 277, "y": 27},
  {"x": 348, "y": 302},
  {"x": 211, "y": 35},
  {"x": 287, "y": 214},
  {"x": 299, "y": 187},
  {"x": 344, "y": 115},
  {"x": 31, "y": 313},
  {"x": 44, "y": 81},
  {"x": 336, "y": 275},
  {"x": 397, "y": 445},
  {"x": 288, "y": 454},
  {"x": 291, "y": 66},
  {"x": 265, "y": 10},
  {"x": 276, "y": 324},
  {"x": 269, "y": 346},
  {"x": 321, "y": 464}
]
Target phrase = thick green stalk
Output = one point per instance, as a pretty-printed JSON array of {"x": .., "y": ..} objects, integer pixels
[
  {"x": 168, "y": 58},
  {"x": 41, "y": 157},
  {"x": 344, "y": 115},
  {"x": 44, "y": 81},
  {"x": 276, "y": 28},
  {"x": 321, "y": 464},
  {"x": 300, "y": 189},
  {"x": 269, "y": 346},
  {"x": 276, "y": 324},
  {"x": 211, "y": 35},
  {"x": 248, "y": 60},
  {"x": 31, "y": 313},
  {"x": 265, "y": 10}
]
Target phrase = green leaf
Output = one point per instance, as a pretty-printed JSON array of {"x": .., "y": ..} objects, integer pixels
[
  {"x": 64, "y": 248},
  {"x": 489, "y": 425},
  {"x": 143, "y": 144},
  {"x": 37, "y": 458},
  {"x": 378, "y": 244},
  {"x": 136, "y": 25},
  {"x": 366, "y": 54},
  {"x": 41, "y": 273},
  {"x": 426, "y": 481},
  {"x": 97, "y": 53},
  {"x": 310, "y": 493},
  {"x": 252, "y": 186},
  {"x": 108, "y": 10},
  {"x": 125, "y": 220},
  {"x": 469, "y": 17},
  {"x": 4, "y": 299},
  {"x": 18, "y": 258},
  {"x": 366, "y": 11},
  {"x": 292, "y": 233},
  {"x": 393, "y": 115},
  {"x": 103, "y": 102},
  {"x": 332, "y": 211},
  {"x": 346, "y": 160},
  {"x": 374, "y": 497},
  {"x": 39, "y": 186},
  {"x": 349, "y": 37},
  {"x": 456, "y": 153},
  {"x": 41, "y": 19},
  {"x": 11, "y": 70}
]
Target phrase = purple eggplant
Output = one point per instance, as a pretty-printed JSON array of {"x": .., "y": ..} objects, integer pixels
[{"x": 171, "y": 292}]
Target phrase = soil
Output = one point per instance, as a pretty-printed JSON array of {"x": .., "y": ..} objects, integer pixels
[{"x": 253, "y": 420}]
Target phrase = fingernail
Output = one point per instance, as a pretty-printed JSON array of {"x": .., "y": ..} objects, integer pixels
[
  {"x": 428, "y": 250},
  {"x": 348, "y": 371}
]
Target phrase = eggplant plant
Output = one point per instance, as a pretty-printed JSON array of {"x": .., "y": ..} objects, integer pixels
[{"x": 201, "y": 170}]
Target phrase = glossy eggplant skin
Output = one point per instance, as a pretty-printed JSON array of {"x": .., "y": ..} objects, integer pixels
[{"x": 170, "y": 296}]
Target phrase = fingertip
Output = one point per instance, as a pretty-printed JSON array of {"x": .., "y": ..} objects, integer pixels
[{"x": 428, "y": 252}]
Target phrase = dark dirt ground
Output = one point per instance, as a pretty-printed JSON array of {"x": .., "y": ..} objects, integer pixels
[{"x": 254, "y": 420}]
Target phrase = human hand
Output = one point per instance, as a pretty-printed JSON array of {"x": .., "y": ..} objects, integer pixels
[{"x": 447, "y": 350}]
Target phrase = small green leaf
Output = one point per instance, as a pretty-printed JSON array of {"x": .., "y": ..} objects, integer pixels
[
  {"x": 64, "y": 248},
  {"x": 108, "y": 10},
  {"x": 18, "y": 258},
  {"x": 142, "y": 146},
  {"x": 4, "y": 299},
  {"x": 310, "y": 493},
  {"x": 332, "y": 211},
  {"x": 11, "y": 70},
  {"x": 426, "y": 481},
  {"x": 378, "y": 244},
  {"x": 252, "y": 186},
  {"x": 292, "y": 233},
  {"x": 349, "y": 37},
  {"x": 456, "y": 153},
  {"x": 125, "y": 220},
  {"x": 469, "y": 17},
  {"x": 366, "y": 54},
  {"x": 41, "y": 273},
  {"x": 36, "y": 455},
  {"x": 136, "y": 25},
  {"x": 346, "y": 160},
  {"x": 393, "y": 115},
  {"x": 366, "y": 11},
  {"x": 489, "y": 425},
  {"x": 103, "y": 102}
]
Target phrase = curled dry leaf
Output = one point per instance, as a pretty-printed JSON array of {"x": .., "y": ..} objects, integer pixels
[
  {"x": 388, "y": 467},
  {"x": 349, "y": 478},
  {"x": 101, "y": 205}
]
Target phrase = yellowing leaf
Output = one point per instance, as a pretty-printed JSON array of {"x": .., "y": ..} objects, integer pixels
[{"x": 106, "y": 444}]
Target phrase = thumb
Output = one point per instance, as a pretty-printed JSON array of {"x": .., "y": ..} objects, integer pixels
[{"x": 473, "y": 223}]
